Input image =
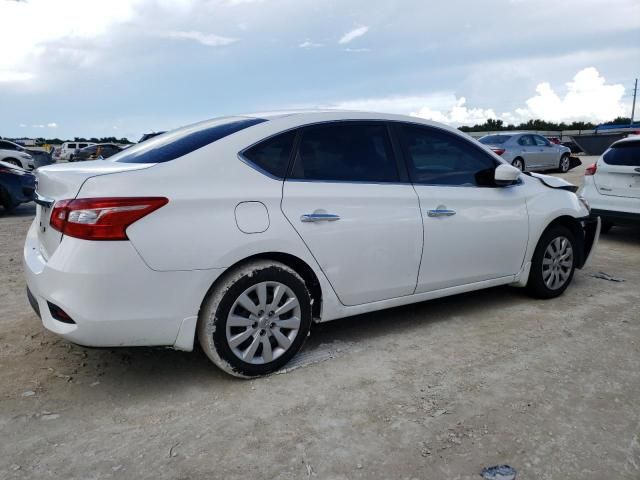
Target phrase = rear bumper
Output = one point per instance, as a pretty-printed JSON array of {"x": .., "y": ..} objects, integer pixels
[{"x": 111, "y": 295}]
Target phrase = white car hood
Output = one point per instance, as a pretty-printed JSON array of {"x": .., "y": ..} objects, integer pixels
[{"x": 553, "y": 182}]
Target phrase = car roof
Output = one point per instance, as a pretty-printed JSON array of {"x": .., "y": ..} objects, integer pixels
[{"x": 629, "y": 139}]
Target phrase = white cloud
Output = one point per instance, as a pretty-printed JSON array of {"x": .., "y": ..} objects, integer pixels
[
  {"x": 588, "y": 97},
  {"x": 356, "y": 50},
  {"x": 14, "y": 77},
  {"x": 208, "y": 39},
  {"x": 52, "y": 125},
  {"x": 309, "y": 44},
  {"x": 353, "y": 34}
]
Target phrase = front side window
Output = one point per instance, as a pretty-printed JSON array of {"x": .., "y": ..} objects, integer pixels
[
  {"x": 437, "y": 157},
  {"x": 346, "y": 151},
  {"x": 541, "y": 141},
  {"x": 71, "y": 145},
  {"x": 180, "y": 142},
  {"x": 272, "y": 155}
]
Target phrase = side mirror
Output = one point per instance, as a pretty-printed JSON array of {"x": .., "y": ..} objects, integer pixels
[{"x": 505, "y": 175}]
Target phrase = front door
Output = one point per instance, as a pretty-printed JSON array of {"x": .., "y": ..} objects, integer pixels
[
  {"x": 361, "y": 222},
  {"x": 473, "y": 230}
]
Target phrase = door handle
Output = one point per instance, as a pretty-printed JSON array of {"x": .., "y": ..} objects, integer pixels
[
  {"x": 319, "y": 217},
  {"x": 441, "y": 212}
]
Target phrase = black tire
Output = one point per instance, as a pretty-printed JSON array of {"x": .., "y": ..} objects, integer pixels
[
  {"x": 6, "y": 201},
  {"x": 536, "y": 285},
  {"x": 214, "y": 314},
  {"x": 605, "y": 226},
  {"x": 565, "y": 163},
  {"x": 520, "y": 161}
]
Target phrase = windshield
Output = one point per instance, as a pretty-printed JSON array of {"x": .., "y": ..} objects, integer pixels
[
  {"x": 179, "y": 142},
  {"x": 494, "y": 139}
]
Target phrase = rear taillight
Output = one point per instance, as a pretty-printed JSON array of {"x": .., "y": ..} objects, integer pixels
[
  {"x": 101, "y": 218},
  {"x": 498, "y": 151},
  {"x": 591, "y": 169}
]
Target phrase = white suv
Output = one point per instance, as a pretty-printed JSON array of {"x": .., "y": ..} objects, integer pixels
[
  {"x": 69, "y": 149},
  {"x": 16, "y": 154},
  {"x": 241, "y": 231},
  {"x": 612, "y": 184}
]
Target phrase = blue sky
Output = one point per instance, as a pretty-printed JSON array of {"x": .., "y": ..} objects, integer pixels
[{"x": 124, "y": 67}]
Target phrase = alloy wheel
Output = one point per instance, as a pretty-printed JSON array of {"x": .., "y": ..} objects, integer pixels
[
  {"x": 518, "y": 164},
  {"x": 557, "y": 263},
  {"x": 263, "y": 322}
]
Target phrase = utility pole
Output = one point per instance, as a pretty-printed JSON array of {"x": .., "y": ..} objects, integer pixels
[{"x": 633, "y": 105}]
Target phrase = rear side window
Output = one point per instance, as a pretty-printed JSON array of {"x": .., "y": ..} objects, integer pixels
[
  {"x": 348, "y": 152},
  {"x": 71, "y": 145},
  {"x": 625, "y": 154},
  {"x": 272, "y": 155},
  {"x": 526, "y": 141},
  {"x": 494, "y": 139},
  {"x": 177, "y": 143},
  {"x": 437, "y": 157}
]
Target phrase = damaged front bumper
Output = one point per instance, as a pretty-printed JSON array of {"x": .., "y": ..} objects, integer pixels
[{"x": 591, "y": 228}]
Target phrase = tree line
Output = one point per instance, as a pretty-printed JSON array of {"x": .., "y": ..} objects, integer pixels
[
  {"x": 58, "y": 141},
  {"x": 495, "y": 125}
]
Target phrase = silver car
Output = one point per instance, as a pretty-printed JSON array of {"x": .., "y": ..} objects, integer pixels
[{"x": 528, "y": 151}]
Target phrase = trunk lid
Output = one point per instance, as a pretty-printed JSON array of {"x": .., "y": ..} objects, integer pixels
[
  {"x": 63, "y": 182},
  {"x": 618, "y": 172}
]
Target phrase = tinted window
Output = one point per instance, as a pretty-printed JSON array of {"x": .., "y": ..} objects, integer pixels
[
  {"x": 494, "y": 139},
  {"x": 71, "y": 145},
  {"x": 7, "y": 146},
  {"x": 437, "y": 157},
  {"x": 540, "y": 141},
  {"x": 625, "y": 154},
  {"x": 273, "y": 154},
  {"x": 353, "y": 152},
  {"x": 526, "y": 141},
  {"x": 177, "y": 143}
]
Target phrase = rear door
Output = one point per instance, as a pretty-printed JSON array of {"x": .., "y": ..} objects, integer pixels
[
  {"x": 350, "y": 201},
  {"x": 618, "y": 172}
]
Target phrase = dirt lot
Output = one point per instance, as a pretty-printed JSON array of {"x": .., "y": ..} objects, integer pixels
[{"x": 437, "y": 390}]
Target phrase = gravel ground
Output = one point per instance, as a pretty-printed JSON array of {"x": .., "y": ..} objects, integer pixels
[{"x": 436, "y": 390}]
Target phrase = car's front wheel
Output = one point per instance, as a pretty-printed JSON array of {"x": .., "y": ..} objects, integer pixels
[
  {"x": 553, "y": 263},
  {"x": 255, "y": 319},
  {"x": 565, "y": 163},
  {"x": 518, "y": 163}
]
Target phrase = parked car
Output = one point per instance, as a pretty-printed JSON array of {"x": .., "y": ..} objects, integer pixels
[
  {"x": 16, "y": 155},
  {"x": 40, "y": 157},
  {"x": 291, "y": 219},
  {"x": 529, "y": 152},
  {"x": 612, "y": 184},
  {"x": 16, "y": 186},
  {"x": 69, "y": 149},
  {"x": 97, "y": 151},
  {"x": 554, "y": 140}
]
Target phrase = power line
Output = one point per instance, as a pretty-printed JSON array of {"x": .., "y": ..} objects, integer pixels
[{"x": 633, "y": 105}]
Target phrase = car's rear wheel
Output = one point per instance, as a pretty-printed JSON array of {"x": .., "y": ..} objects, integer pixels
[
  {"x": 565, "y": 163},
  {"x": 518, "y": 163},
  {"x": 255, "y": 319},
  {"x": 553, "y": 263},
  {"x": 6, "y": 201}
]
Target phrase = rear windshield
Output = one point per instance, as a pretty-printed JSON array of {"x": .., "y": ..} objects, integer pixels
[
  {"x": 625, "y": 154},
  {"x": 494, "y": 139},
  {"x": 179, "y": 142}
]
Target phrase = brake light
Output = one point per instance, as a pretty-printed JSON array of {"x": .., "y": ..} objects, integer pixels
[
  {"x": 101, "y": 218},
  {"x": 591, "y": 169},
  {"x": 498, "y": 151}
]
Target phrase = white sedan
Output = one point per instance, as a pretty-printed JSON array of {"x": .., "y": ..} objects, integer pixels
[{"x": 240, "y": 232}]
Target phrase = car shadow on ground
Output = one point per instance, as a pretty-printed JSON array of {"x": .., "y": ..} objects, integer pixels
[
  {"x": 22, "y": 210},
  {"x": 161, "y": 370},
  {"x": 623, "y": 234}
]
